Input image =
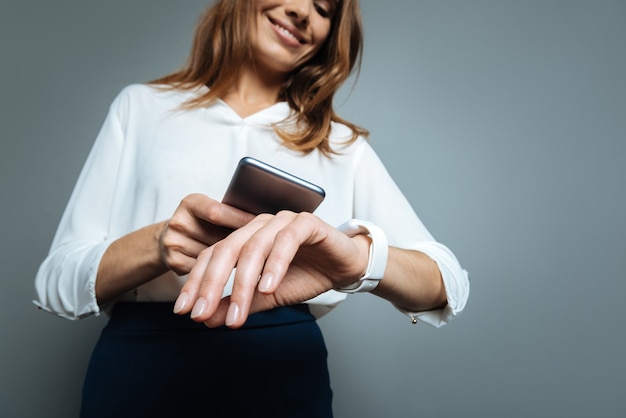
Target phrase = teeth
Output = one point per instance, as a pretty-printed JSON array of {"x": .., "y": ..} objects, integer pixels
[{"x": 286, "y": 32}]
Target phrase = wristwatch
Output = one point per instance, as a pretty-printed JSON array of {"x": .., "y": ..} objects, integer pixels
[{"x": 377, "y": 255}]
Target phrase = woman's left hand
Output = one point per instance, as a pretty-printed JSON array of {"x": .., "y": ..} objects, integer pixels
[{"x": 281, "y": 260}]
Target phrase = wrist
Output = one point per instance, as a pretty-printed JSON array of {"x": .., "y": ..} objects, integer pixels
[
  {"x": 161, "y": 253},
  {"x": 363, "y": 243}
]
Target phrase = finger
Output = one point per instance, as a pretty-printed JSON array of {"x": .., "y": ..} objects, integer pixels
[
  {"x": 259, "y": 303},
  {"x": 208, "y": 282},
  {"x": 216, "y": 213},
  {"x": 189, "y": 292},
  {"x": 223, "y": 258},
  {"x": 250, "y": 266},
  {"x": 178, "y": 251},
  {"x": 218, "y": 318},
  {"x": 303, "y": 229},
  {"x": 184, "y": 223}
]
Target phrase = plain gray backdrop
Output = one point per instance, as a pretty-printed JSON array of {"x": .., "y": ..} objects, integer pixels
[{"x": 503, "y": 121}]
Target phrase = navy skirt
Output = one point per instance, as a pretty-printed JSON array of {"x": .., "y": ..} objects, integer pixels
[{"x": 149, "y": 362}]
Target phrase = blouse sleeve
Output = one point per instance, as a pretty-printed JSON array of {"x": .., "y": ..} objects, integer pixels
[
  {"x": 379, "y": 200},
  {"x": 65, "y": 281}
]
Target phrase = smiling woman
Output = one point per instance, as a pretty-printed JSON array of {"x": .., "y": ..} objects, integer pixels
[
  {"x": 310, "y": 90},
  {"x": 285, "y": 39},
  {"x": 213, "y": 309}
]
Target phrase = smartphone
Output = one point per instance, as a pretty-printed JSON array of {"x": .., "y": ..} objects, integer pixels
[{"x": 257, "y": 187}]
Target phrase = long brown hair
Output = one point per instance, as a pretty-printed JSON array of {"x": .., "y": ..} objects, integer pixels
[{"x": 220, "y": 47}]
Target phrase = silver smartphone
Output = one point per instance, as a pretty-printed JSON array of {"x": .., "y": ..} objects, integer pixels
[{"x": 257, "y": 187}]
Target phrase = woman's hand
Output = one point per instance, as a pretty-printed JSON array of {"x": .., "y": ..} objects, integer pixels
[
  {"x": 149, "y": 252},
  {"x": 281, "y": 260},
  {"x": 197, "y": 223}
]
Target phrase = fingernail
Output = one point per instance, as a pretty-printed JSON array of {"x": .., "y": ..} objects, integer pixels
[
  {"x": 181, "y": 302},
  {"x": 233, "y": 314},
  {"x": 198, "y": 308},
  {"x": 266, "y": 282}
]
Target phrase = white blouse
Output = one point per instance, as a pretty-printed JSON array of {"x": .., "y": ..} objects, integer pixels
[{"x": 150, "y": 154}]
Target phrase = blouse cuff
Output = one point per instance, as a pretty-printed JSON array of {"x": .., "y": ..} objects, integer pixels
[{"x": 75, "y": 298}]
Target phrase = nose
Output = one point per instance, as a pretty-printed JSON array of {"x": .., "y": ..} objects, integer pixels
[{"x": 299, "y": 11}]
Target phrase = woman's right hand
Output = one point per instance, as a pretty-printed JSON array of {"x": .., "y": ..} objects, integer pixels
[
  {"x": 143, "y": 255},
  {"x": 197, "y": 223}
]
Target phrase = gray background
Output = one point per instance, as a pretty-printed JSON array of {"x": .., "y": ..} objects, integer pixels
[{"x": 503, "y": 122}]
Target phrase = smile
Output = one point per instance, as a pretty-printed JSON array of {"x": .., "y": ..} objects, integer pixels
[{"x": 288, "y": 33}]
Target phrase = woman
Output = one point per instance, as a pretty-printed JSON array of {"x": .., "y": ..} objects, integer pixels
[{"x": 145, "y": 234}]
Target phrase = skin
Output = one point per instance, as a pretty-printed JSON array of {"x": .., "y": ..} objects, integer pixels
[{"x": 281, "y": 259}]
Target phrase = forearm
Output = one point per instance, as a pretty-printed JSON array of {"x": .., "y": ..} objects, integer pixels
[
  {"x": 412, "y": 281},
  {"x": 129, "y": 262}
]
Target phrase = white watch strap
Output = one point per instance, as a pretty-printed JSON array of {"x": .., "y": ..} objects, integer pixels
[{"x": 377, "y": 256}]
